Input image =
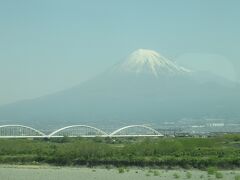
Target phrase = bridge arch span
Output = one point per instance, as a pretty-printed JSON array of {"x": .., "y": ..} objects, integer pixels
[
  {"x": 15, "y": 130},
  {"x": 92, "y": 133},
  {"x": 153, "y": 132}
]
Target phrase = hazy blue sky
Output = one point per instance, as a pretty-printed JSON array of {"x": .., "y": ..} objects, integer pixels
[{"x": 49, "y": 45}]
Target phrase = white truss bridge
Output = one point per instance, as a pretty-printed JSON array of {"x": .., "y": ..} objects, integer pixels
[{"x": 21, "y": 131}]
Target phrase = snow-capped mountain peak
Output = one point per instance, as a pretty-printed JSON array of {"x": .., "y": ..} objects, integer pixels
[{"x": 149, "y": 61}]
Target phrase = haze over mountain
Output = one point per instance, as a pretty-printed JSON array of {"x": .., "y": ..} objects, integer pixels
[{"x": 144, "y": 88}]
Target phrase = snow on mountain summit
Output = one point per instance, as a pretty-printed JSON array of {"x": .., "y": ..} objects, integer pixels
[{"x": 151, "y": 62}]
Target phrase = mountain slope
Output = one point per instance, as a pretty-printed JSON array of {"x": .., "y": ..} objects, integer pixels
[{"x": 145, "y": 88}]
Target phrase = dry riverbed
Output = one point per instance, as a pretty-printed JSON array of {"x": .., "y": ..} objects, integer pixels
[{"x": 11, "y": 172}]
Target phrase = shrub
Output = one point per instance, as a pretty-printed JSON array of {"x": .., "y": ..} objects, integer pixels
[
  {"x": 189, "y": 175},
  {"x": 176, "y": 176},
  {"x": 211, "y": 170},
  {"x": 120, "y": 170},
  {"x": 147, "y": 174},
  {"x": 150, "y": 171},
  {"x": 219, "y": 175},
  {"x": 237, "y": 177},
  {"x": 108, "y": 167},
  {"x": 156, "y": 173}
]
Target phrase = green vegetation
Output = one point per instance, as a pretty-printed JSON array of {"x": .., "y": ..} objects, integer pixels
[
  {"x": 156, "y": 173},
  {"x": 237, "y": 177},
  {"x": 188, "y": 175},
  {"x": 201, "y": 153},
  {"x": 219, "y": 175},
  {"x": 212, "y": 170},
  {"x": 176, "y": 176},
  {"x": 148, "y": 174},
  {"x": 150, "y": 171},
  {"x": 121, "y": 170}
]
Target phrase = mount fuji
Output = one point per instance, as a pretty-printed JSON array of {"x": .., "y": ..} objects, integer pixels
[
  {"x": 148, "y": 61},
  {"x": 144, "y": 88}
]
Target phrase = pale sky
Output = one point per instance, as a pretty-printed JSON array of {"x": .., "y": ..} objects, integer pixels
[{"x": 50, "y": 45}]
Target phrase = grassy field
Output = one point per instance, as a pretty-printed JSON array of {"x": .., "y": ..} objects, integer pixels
[
  {"x": 222, "y": 152},
  {"x": 64, "y": 173}
]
